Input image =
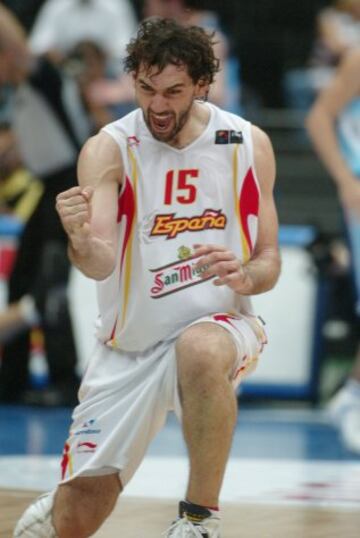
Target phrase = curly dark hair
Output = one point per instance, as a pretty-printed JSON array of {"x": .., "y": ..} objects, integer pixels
[{"x": 160, "y": 42}]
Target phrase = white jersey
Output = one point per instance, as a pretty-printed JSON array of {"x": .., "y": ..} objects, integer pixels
[{"x": 170, "y": 200}]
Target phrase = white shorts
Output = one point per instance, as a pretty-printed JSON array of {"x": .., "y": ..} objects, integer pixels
[{"x": 125, "y": 398}]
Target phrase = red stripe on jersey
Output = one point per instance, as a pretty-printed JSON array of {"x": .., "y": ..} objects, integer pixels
[
  {"x": 126, "y": 208},
  {"x": 248, "y": 204}
]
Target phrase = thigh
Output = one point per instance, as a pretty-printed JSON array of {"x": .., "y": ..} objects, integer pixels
[{"x": 124, "y": 400}]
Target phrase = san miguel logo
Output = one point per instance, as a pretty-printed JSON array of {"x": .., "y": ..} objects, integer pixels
[
  {"x": 176, "y": 276},
  {"x": 170, "y": 225}
]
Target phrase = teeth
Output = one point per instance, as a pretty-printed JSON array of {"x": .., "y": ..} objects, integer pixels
[{"x": 161, "y": 118}]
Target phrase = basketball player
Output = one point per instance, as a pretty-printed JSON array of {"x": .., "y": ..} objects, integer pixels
[
  {"x": 334, "y": 126},
  {"x": 175, "y": 219}
]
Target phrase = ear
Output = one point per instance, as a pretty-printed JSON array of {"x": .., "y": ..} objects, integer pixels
[{"x": 202, "y": 89}]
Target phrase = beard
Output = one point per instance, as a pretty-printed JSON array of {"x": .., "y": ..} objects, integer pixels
[{"x": 172, "y": 124}]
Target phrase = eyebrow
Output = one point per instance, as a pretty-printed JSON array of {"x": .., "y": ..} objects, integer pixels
[{"x": 175, "y": 86}]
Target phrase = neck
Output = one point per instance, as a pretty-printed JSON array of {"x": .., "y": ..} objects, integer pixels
[{"x": 196, "y": 124}]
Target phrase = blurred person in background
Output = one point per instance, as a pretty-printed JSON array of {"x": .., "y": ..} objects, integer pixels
[
  {"x": 20, "y": 194},
  {"x": 226, "y": 90},
  {"x": 50, "y": 125},
  {"x": 337, "y": 29},
  {"x": 87, "y": 64},
  {"x": 334, "y": 127},
  {"x": 62, "y": 25}
]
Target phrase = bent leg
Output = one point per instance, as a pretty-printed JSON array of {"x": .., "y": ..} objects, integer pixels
[
  {"x": 206, "y": 358},
  {"x": 83, "y": 504}
]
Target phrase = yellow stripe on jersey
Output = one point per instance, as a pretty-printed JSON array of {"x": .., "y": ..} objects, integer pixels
[
  {"x": 244, "y": 244},
  {"x": 71, "y": 466}
]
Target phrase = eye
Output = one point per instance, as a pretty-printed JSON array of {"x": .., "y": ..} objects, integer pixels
[
  {"x": 174, "y": 92},
  {"x": 146, "y": 89}
]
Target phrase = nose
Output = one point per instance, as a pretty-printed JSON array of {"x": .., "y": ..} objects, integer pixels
[{"x": 159, "y": 104}]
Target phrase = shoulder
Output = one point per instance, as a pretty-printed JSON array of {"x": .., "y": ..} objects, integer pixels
[
  {"x": 264, "y": 159},
  {"x": 345, "y": 85},
  {"x": 261, "y": 141},
  {"x": 100, "y": 158},
  {"x": 100, "y": 145}
]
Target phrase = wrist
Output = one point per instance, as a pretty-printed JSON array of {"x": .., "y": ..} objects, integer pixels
[
  {"x": 79, "y": 245},
  {"x": 246, "y": 284}
]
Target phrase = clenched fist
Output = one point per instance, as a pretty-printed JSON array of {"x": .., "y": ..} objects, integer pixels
[{"x": 74, "y": 209}]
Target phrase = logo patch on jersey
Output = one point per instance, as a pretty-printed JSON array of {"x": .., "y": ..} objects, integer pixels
[
  {"x": 184, "y": 253},
  {"x": 176, "y": 276},
  {"x": 171, "y": 226},
  {"x": 228, "y": 137},
  {"x": 221, "y": 137},
  {"x": 133, "y": 141}
]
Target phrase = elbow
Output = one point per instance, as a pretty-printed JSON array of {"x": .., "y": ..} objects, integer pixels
[
  {"x": 98, "y": 273},
  {"x": 276, "y": 271}
]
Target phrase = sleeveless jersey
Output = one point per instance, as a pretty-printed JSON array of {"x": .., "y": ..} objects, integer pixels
[
  {"x": 349, "y": 135},
  {"x": 170, "y": 200}
]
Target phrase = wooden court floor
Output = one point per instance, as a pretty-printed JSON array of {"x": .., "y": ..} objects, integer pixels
[{"x": 148, "y": 518}]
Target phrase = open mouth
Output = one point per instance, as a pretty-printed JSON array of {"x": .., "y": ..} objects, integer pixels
[{"x": 161, "y": 123}]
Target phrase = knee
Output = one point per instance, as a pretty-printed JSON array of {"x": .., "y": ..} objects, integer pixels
[{"x": 205, "y": 351}]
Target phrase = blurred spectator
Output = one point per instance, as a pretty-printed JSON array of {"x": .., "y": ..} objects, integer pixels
[
  {"x": 334, "y": 126},
  {"x": 105, "y": 95},
  {"x": 50, "y": 125},
  {"x": 87, "y": 63},
  {"x": 62, "y": 24},
  {"x": 105, "y": 26},
  {"x": 226, "y": 89},
  {"x": 337, "y": 30},
  {"x": 20, "y": 194}
]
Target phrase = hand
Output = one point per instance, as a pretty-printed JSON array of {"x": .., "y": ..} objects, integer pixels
[
  {"x": 218, "y": 261},
  {"x": 74, "y": 209}
]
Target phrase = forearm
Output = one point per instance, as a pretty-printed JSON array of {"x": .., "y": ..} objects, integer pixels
[
  {"x": 262, "y": 272},
  {"x": 95, "y": 260}
]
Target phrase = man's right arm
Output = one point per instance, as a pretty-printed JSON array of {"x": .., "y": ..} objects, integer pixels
[{"x": 88, "y": 212}]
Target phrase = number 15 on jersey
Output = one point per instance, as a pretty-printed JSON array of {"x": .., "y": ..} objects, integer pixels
[{"x": 181, "y": 186}]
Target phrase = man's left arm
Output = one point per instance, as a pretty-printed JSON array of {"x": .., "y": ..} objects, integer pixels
[
  {"x": 263, "y": 268},
  {"x": 261, "y": 272}
]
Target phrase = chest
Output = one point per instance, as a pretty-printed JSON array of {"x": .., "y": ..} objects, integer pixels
[{"x": 206, "y": 177}]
